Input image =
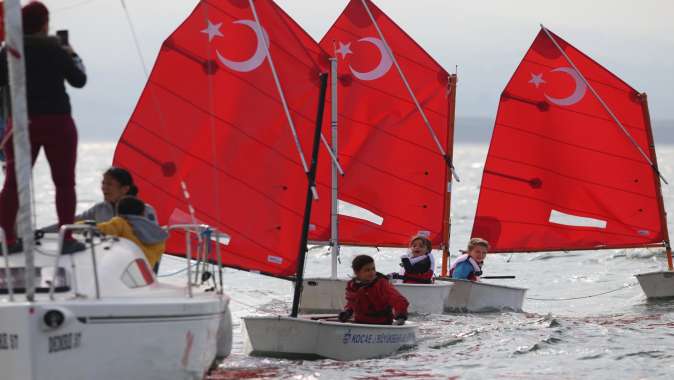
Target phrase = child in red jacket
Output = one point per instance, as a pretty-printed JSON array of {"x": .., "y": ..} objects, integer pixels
[{"x": 370, "y": 297}]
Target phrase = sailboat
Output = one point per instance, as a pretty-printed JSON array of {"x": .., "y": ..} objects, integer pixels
[
  {"x": 79, "y": 316},
  {"x": 572, "y": 163},
  {"x": 393, "y": 105},
  {"x": 219, "y": 137}
]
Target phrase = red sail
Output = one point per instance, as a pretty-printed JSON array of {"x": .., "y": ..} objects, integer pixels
[
  {"x": 560, "y": 173},
  {"x": 211, "y": 116},
  {"x": 392, "y": 165}
]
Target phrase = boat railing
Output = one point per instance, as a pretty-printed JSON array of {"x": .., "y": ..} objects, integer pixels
[
  {"x": 205, "y": 234},
  {"x": 89, "y": 230},
  {"x": 8, "y": 271}
]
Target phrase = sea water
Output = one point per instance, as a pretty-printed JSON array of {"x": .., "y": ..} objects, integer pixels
[{"x": 617, "y": 335}]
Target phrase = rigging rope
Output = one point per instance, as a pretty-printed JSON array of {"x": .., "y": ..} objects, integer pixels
[
  {"x": 251, "y": 307},
  {"x": 441, "y": 150},
  {"x": 157, "y": 105},
  {"x": 176, "y": 272},
  {"x": 583, "y": 297}
]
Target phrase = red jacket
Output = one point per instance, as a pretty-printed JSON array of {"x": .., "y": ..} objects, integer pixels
[{"x": 375, "y": 302}]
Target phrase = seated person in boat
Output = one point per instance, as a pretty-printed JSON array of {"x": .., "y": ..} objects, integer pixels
[
  {"x": 130, "y": 223},
  {"x": 370, "y": 297},
  {"x": 115, "y": 184},
  {"x": 418, "y": 264},
  {"x": 469, "y": 265}
]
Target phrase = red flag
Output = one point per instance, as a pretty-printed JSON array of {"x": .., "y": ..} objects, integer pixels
[
  {"x": 211, "y": 117},
  {"x": 560, "y": 173},
  {"x": 392, "y": 165}
]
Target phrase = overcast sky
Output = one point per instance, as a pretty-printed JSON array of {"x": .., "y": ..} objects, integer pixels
[{"x": 486, "y": 39}]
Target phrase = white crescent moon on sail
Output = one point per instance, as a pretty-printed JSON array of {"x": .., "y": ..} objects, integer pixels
[
  {"x": 260, "y": 51},
  {"x": 577, "y": 94},
  {"x": 383, "y": 66}
]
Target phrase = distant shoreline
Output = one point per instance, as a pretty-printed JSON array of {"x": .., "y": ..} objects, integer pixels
[
  {"x": 473, "y": 130},
  {"x": 478, "y": 130}
]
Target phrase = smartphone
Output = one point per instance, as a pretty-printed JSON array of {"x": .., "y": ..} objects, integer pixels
[{"x": 63, "y": 36}]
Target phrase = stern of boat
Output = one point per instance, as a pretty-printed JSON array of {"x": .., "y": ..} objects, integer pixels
[
  {"x": 657, "y": 284},
  {"x": 323, "y": 295},
  {"x": 471, "y": 296}
]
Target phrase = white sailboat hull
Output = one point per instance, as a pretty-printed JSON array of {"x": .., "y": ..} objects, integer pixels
[
  {"x": 305, "y": 338},
  {"x": 154, "y": 331},
  {"x": 426, "y": 298},
  {"x": 111, "y": 341},
  {"x": 323, "y": 295},
  {"x": 657, "y": 284},
  {"x": 471, "y": 296}
]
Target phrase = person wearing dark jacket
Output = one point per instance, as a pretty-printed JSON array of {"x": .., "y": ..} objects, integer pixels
[
  {"x": 48, "y": 65},
  {"x": 419, "y": 263},
  {"x": 370, "y": 297}
]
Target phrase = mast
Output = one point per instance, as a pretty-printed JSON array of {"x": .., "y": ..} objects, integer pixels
[
  {"x": 447, "y": 222},
  {"x": 311, "y": 179},
  {"x": 334, "y": 218},
  {"x": 21, "y": 138},
  {"x": 651, "y": 146}
]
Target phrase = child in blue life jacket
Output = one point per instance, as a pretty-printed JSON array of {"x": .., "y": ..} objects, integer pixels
[
  {"x": 418, "y": 264},
  {"x": 469, "y": 265},
  {"x": 370, "y": 297}
]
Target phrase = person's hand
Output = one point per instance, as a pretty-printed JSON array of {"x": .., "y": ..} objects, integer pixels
[
  {"x": 345, "y": 315},
  {"x": 400, "y": 320}
]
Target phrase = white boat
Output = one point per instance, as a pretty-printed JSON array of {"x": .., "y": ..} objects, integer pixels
[
  {"x": 472, "y": 296},
  {"x": 309, "y": 337},
  {"x": 426, "y": 298},
  {"x": 575, "y": 173},
  {"x": 102, "y": 313},
  {"x": 324, "y": 295},
  {"x": 657, "y": 284}
]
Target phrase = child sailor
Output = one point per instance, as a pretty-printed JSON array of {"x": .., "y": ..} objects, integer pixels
[
  {"x": 418, "y": 264},
  {"x": 469, "y": 265},
  {"x": 370, "y": 297}
]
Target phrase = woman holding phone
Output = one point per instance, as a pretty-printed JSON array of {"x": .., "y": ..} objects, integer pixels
[{"x": 49, "y": 64}]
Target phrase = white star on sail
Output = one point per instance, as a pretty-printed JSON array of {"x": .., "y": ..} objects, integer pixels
[
  {"x": 536, "y": 79},
  {"x": 213, "y": 30},
  {"x": 344, "y": 49}
]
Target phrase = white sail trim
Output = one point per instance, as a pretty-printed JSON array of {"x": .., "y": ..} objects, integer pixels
[
  {"x": 349, "y": 209},
  {"x": 558, "y": 217}
]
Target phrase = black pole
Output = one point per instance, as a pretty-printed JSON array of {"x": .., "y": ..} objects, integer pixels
[{"x": 311, "y": 176}]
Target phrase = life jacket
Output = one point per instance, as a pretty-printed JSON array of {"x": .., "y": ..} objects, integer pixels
[
  {"x": 375, "y": 302},
  {"x": 477, "y": 269},
  {"x": 418, "y": 270}
]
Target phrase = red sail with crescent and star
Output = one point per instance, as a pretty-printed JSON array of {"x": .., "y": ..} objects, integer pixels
[
  {"x": 211, "y": 118},
  {"x": 395, "y": 180},
  {"x": 561, "y": 174}
]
